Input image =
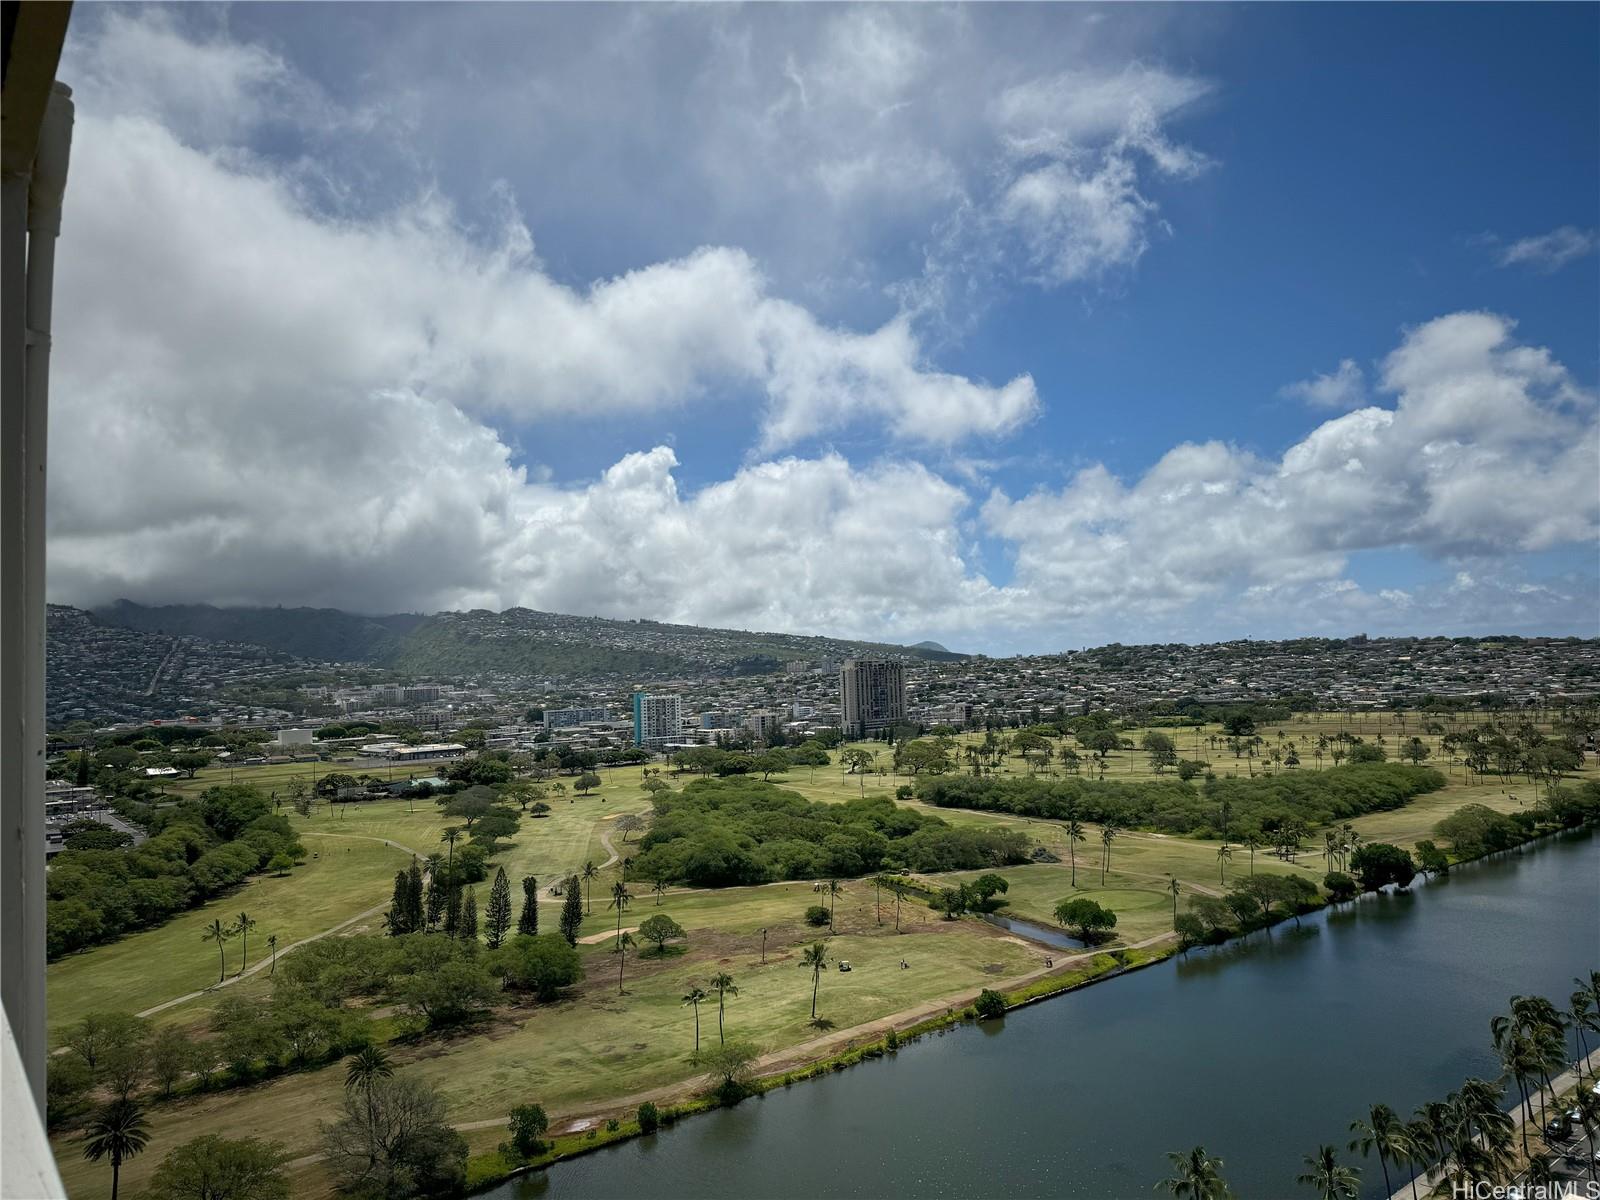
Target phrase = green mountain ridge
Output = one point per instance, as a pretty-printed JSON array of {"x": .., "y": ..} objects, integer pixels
[{"x": 518, "y": 641}]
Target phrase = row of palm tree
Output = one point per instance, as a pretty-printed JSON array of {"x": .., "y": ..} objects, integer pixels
[
  {"x": 1467, "y": 1136},
  {"x": 223, "y": 934},
  {"x": 721, "y": 983}
]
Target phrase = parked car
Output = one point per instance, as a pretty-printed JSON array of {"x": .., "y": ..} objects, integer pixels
[{"x": 1558, "y": 1128}]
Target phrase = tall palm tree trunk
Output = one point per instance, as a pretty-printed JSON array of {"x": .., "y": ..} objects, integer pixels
[{"x": 1527, "y": 1113}]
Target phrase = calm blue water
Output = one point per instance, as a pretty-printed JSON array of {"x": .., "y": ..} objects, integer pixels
[{"x": 1259, "y": 1051}]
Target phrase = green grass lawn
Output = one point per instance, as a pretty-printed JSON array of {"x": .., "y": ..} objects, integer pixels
[
  {"x": 146, "y": 968},
  {"x": 599, "y": 1045}
]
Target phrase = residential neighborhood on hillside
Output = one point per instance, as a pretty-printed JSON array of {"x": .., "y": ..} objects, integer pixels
[{"x": 102, "y": 674}]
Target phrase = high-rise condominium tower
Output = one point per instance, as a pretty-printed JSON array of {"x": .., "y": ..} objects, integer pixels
[{"x": 872, "y": 693}]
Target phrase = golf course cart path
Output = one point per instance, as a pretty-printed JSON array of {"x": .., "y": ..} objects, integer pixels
[
  {"x": 605, "y": 840},
  {"x": 329, "y": 932},
  {"x": 804, "y": 1052}
]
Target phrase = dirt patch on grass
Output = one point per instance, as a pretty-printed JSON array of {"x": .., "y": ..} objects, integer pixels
[{"x": 594, "y": 939}]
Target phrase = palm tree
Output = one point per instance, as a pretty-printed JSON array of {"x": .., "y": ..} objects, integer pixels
[
  {"x": 589, "y": 872},
  {"x": 1583, "y": 1017},
  {"x": 816, "y": 957},
  {"x": 626, "y": 863},
  {"x": 1197, "y": 1176},
  {"x": 1108, "y": 833},
  {"x": 451, "y": 836},
  {"x": 1432, "y": 1121},
  {"x": 620, "y": 899},
  {"x": 367, "y": 1066},
  {"x": 1251, "y": 843},
  {"x": 219, "y": 933},
  {"x": 724, "y": 984},
  {"x": 1224, "y": 857},
  {"x": 118, "y": 1132},
  {"x": 1592, "y": 984},
  {"x": 658, "y": 885},
  {"x": 243, "y": 926},
  {"x": 1173, "y": 886},
  {"x": 1332, "y": 1179},
  {"x": 272, "y": 945},
  {"x": 624, "y": 940},
  {"x": 1075, "y": 834},
  {"x": 693, "y": 997},
  {"x": 1531, "y": 1040},
  {"x": 1384, "y": 1132},
  {"x": 1419, "y": 1150},
  {"x": 833, "y": 888},
  {"x": 898, "y": 890}
]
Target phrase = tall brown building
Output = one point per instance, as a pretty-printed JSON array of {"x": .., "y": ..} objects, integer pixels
[{"x": 872, "y": 695}]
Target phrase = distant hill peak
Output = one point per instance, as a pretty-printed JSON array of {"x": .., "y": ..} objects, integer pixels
[{"x": 934, "y": 646}]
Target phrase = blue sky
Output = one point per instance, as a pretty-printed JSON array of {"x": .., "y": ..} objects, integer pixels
[{"x": 998, "y": 325}]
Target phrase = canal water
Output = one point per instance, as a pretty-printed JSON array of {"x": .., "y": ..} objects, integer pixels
[{"x": 1258, "y": 1050}]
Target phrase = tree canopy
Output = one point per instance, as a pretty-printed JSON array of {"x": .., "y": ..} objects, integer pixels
[{"x": 739, "y": 830}]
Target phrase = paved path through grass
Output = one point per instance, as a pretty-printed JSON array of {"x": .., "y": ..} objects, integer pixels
[
  {"x": 249, "y": 971},
  {"x": 809, "y": 1051}
]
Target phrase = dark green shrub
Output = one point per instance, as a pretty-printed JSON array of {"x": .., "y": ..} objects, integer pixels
[
  {"x": 990, "y": 1004},
  {"x": 1341, "y": 887},
  {"x": 528, "y": 1127}
]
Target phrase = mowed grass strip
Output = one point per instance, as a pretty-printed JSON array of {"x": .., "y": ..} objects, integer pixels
[
  {"x": 598, "y": 1045},
  {"x": 346, "y": 877}
]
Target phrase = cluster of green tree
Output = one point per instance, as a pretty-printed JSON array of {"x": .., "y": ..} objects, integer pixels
[
  {"x": 982, "y": 895},
  {"x": 197, "y": 850},
  {"x": 84, "y": 834},
  {"x": 1253, "y": 903},
  {"x": 393, "y": 1137},
  {"x": 149, "y": 737},
  {"x": 321, "y": 1006},
  {"x": 728, "y": 832},
  {"x": 484, "y": 771},
  {"x": 346, "y": 729},
  {"x": 1254, "y": 807},
  {"x": 1509, "y": 749},
  {"x": 1197, "y": 712},
  {"x": 1474, "y": 830},
  {"x": 1093, "y": 922},
  {"x": 713, "y": 760}
]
